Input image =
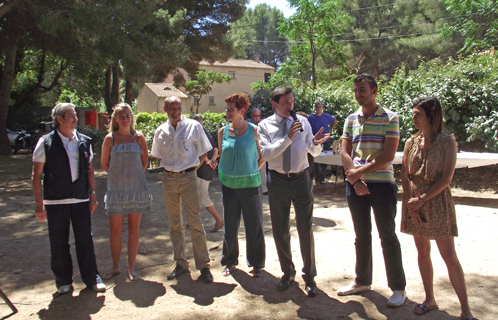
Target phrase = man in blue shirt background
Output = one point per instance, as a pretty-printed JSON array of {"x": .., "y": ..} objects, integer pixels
[{"x": 318, "y": 120}]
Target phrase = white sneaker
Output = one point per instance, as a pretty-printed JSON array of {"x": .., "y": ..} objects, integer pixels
[
  {"x": 353, "y": 288},
  {"x": 100, "y": 285},
  {"x": 397, "y": 299},
  {"x": 65, "y": 289}
]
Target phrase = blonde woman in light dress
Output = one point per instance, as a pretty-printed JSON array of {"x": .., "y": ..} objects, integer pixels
[
  {"x": 125, "y": 157},
  {"x": 428, "y": 209}
]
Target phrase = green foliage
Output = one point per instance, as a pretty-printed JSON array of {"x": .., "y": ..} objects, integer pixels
[
  {"x": 467, "y": 90},
  {"x": 256, "y": 33},
  {"x": 476, "y": 20},
  {"x": 311, "y": 28},
  {"x": 204, "y": 79}
]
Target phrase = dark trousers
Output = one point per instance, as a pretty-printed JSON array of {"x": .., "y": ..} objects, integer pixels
[
  {"x": 382, "y": 199},
  {"x": 249, "y": 202},
  {"x": 320, "y": 168},
  {"x": 59, "y": 218},
  {"x": 283, "y": 190}
]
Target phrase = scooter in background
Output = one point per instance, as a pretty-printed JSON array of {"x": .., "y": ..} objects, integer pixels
[{"x": 25, "y": 141}]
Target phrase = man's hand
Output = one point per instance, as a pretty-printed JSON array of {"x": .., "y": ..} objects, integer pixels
[
  {"x": 295, "y": 127},
  {"x": 40, "y": 213},
  {"x": 361, "y": 188},
  {"x": 93, "y": 202},
  {"x": 320, "y": 138},
  {"x": 353, "y": 175}
]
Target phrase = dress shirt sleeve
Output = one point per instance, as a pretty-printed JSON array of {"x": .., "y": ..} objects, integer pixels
[
  {"x": 203, "y": 144},
  {"x": 310, "y": 146},
  {"x": 156, "y": 149},
  {"x": 271, "y": 147}
]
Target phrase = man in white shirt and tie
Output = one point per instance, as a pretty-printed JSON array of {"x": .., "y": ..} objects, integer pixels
[
  {"x": 285, "y": 147},
  {"x": 181, "y": 145}
]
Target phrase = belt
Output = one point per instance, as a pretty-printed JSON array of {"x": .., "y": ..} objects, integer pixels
[
  {"x": 183, "y": 171},
  {"x": 290, "y": 174},
  {"x": 419, "y": 180}
]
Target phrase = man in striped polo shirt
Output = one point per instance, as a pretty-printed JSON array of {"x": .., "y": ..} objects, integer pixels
[{"x": 370, "y": 141}]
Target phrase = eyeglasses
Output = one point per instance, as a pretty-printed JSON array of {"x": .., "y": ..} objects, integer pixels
[{"x": 230, "y": 109}]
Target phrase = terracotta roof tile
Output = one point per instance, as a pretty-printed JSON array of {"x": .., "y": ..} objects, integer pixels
[
  {"x": 164, "y": 90},
  {"x": 238, "y": 63}
]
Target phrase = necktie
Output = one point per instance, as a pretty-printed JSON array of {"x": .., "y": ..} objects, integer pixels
[{"x": 287, "y": 152}]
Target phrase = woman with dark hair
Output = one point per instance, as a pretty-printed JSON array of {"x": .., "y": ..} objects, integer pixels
[
  {"x": 124, "y": 157},
  {"x": 428, "y": 210},
  {"x": 238, "y": 170}
]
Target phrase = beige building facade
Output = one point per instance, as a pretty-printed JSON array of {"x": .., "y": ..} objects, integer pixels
[
  {"x": 243, "y": 73},
  {"x": 152, "y": 95}
]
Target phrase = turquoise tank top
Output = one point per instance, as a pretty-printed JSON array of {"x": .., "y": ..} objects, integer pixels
[{"x": 238, "y": 167}]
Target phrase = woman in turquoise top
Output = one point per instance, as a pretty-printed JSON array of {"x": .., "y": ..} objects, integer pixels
[{"x": 241, "y": 187}]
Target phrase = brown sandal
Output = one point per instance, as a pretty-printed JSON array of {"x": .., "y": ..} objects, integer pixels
[{"x": 421, "y": 309}]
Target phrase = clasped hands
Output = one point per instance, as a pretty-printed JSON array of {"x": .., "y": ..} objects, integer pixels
[
  {"x": 413, "y": 205},
  {"x": 353, "y": 176}
]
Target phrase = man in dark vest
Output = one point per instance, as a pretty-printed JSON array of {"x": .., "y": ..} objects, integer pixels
[{"x": 63, "y": 159}]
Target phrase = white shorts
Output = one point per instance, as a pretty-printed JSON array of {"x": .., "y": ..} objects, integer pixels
[{"x": 203, "y": 187}]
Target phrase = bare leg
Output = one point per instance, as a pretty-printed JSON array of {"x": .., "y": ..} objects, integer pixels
[
  {"x": 133, "y": 238},
  {"x": 115, "y": 241},
  {"x": 426, "y": 270},
  {"x": 216, "y": 215},
  {"x": 455, "y": 272}
]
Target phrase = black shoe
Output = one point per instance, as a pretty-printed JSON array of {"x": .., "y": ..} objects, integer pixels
[
  {"x": 311, "y": 288},
  {"x": 285, "y": 282},
  {"x": 177, "y": 272},
  {"x": 206, "y": 275}
]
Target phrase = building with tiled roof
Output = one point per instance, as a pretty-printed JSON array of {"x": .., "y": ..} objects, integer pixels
[
  {"x": 243, "y": 73},
  {"x": 152, "y": 95}
]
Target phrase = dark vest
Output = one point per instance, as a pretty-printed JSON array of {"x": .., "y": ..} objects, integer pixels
[{"x": 57, "y": 181}]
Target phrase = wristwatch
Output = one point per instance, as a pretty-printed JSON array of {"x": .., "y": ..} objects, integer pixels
[{"x": 420, "y": 200}]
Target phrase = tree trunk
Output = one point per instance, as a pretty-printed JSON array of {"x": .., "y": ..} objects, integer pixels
[
  {"x": 115, "y": 84},
  {"x": 107, "y": 90},
  {"x": 129, "y": 92},
  {"x": 6, "y": 86}
]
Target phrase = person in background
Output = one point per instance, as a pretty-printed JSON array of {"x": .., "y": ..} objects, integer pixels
[
  {"x": 321, "y": 120},
  {"x": 239, "y": 176},
  {"x": 181, "y": 145},
  {"x": 255, "y": 119},
  {"x": 204, "y": 177},
  {"x": 370, "y": 140},
  {"x": 63, "y": 159},
  {"x": 125, "y": 157},
  {"x": 311, "y": 159},
  {"x": 284, "y": 146},
  {"x": 428, "y": 208}
]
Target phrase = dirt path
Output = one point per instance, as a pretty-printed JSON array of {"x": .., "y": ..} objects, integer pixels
[{"x": 26, "y": 278}]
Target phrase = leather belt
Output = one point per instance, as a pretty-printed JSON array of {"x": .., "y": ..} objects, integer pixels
[
  {"x": 419, "y": 180},
  {"x": 183, "y": 171},
  {"x": 290, "y": 174}
]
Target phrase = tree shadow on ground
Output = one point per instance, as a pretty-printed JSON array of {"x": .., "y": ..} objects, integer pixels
[
  {"x": 142, "y": 293},
  {"x": 309, "y": 308},
  {"x": 202, "y": 293},
  {"x": 77, "y": 307}
]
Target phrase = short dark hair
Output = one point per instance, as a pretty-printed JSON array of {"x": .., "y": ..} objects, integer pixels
[
  {"x": 433, "y": 111},
  {"x": 278, "y": 92},
  {"x": 368, "y": 78}
]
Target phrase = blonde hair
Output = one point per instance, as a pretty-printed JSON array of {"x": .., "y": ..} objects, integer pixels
[{"x": 113, "y": 125}]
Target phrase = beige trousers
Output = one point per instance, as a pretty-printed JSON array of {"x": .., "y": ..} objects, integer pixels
[{"x": 183, "y": 187}]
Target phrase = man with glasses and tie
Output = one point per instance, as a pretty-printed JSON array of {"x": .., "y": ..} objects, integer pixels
[{"x": 284, "y": 144}]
